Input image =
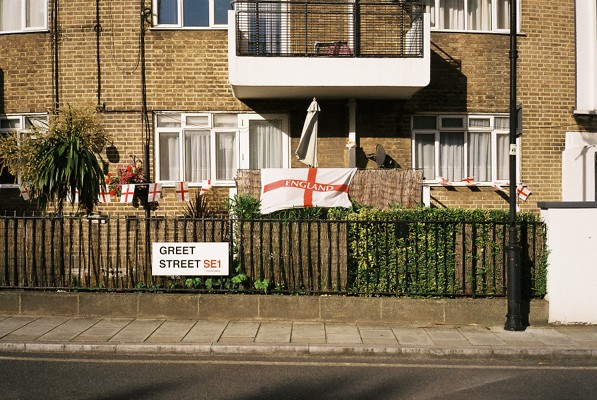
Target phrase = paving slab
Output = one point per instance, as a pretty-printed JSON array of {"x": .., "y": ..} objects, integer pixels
[
  {"x": 36, "y": 328},
  {"x": 104, "y": 330},
  {"x": 274, "y": 332},
  {"x": 377, "y": 334},
  {"x": 11, "y": 324},
  {"x": 241, "y": 329},
  {"x": 514, "y": 338},
  {"x": 480, "y": 336},
  {"x": 308, "y": 332},
  {"x": 137, "y": 331},
  {"x": 550, "y": 336},
  {"x": 342, "y": 333},
  {"x": 171, "y": 331},
  {"x": 205, "y": 332},
  {"x": 412, "y": 336},
  {"x": 447, "y": 337},
  {"x": 69, "y": 329}
]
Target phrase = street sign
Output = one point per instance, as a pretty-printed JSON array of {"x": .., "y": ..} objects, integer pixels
[{"x": 190, "y": 258}]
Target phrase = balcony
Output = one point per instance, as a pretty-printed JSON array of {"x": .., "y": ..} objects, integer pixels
[{"x": 328, "y": 49}]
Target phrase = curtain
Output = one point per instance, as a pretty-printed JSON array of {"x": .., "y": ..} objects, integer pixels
[
  {"x": 265, "y": 144},
  {"x": 36, "y": 13},
  {"x": 225, "y": 155},
  {"x": 503, "y": 156},
  {"x": 479, "y": 156},
  {"x": 264, "y": 28},
  {"x": 479, "y": 15},
  {"x": 451, "y": 14},
  {"x": 425, "y": 154},
  {"x": 168, "y": 12},
  {"x": 451, "y": 157},
  {"x": 169, "y": 158},
  {"x": 197, "y": 156},
  {"x": 503, "y": 14},
  {"x": 10, "y": 15}
]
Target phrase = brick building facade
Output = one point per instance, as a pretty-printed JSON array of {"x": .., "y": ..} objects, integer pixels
[{"x": 92, "y": 50}]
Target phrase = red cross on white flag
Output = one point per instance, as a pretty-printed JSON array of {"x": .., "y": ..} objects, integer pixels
[
  {"x": 523, "y": 192},
  {"x": 469, "y": 180},
  {"x": 283, "y": 188},
  {"x": 70, "y": 198},
  {"x": 205, "y": 186},
  {"x": 155, "y": 192},
  {"x": 127, "y": 193},
  {"x": 497, "y": 187},
  {"x": 182, "y": 191},
  {"x": 104, "y": 194},
  {"x": 25, "y": 192},
  {"x": 443, "y": 180}
]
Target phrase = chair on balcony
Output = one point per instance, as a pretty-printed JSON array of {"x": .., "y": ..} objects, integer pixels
[{"x": 335, "y": 49}]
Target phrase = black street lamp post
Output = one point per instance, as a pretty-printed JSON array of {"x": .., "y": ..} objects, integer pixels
[{"x": 514, "y": 316}]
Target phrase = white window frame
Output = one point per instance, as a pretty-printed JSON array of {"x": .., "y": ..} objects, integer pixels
[
  {"x": 242, "y": 141},
  {"x": 494, "y": 21},
  {"x": 466, "y": 131},
  {"x": 22, "y": 129},
  {"x": 180, "y": 18},
  {"x": 244, "y": 121},
  {"x": 24, "y": 28}
]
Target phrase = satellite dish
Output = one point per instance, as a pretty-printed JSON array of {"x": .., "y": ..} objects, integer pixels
[{"x": 380, "y": 156}]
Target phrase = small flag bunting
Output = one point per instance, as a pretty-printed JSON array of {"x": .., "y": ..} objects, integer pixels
[
  {"x": 155, "y": 192},
  {"x": 104, "y": 194},
  {"x": 523, "y": 192},
  {"x": 127, "y": 193},
  {"x": 205, "y": 186},
  {"x": 182, "y": 191},
  {"x": 25, "y": 192}
]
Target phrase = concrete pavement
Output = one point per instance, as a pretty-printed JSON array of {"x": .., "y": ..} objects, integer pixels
[{"x": 68, "y": 334}]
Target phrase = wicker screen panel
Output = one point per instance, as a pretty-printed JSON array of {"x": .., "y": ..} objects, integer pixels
[{"x": 373, "y": 187}]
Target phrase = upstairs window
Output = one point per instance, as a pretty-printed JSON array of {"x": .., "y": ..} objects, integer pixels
[
  {"x": 469, "y": 15},
  {"x": 191, "y": 13},
  {"x": 23, "y": 15},
  {"x": 459, "y": 147}
]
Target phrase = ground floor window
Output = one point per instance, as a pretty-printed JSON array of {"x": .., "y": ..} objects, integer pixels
[
  {"x": 455, "y": 147},
  {"x": 193, "y": 147},
  {"x": 23, "y": 124}
]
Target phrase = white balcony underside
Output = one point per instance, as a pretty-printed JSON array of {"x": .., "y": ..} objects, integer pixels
[{"x": 327, "y": 77}]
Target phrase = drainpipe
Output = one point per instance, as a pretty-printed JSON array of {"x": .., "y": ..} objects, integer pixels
[
  {"x": 98, "y": 30},
  {"x": 55, "y": 39},
  {"x": 144, "y": 14}
]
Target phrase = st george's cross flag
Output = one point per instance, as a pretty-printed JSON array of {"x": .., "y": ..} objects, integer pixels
[
  {"x": 25, "y": 192},
  {"x": 205, "y": 186},
  {"x": 283, "y": 188},
  {"x": 104, "y": 194},
  {"x": 523, "y": 192},
  {"x": 182, "y": 191},
  {"x": 154, "y": 193},
  {"x": 127, "y": 192}
]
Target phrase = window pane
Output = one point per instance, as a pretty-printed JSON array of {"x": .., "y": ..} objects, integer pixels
[
  {"x": 225, "y": 155},
  {"x": 36, "y": 13},
  {"x": 451, "y": 156},
  {"x": 40, "y": 123},
  {"x": 430, "y": 4},
  {"x": 502, "y": 123},
  {"x": 169, "y": 157},
  {"x": 197, "y": 156},
  {"x": 195, "y": 12},
  {"x": 451, "y": 14},
  {"x": 503, "y": 157},
  {"x": 479, "y": 15},
  {"x": 168, "y": 12},
  {"x": 503, "y": 14},
  {"x": 10, "y": 123},
  {"x": 452, "y": 122},
  {"x": 265, "y": 144},
  {"x": 10, "y": 15},
  {"x": 221, "y": 11},
  {"x": 168, "y": 121},
  {"x": 225, "y": 120},
  {"x": 479, "y": 123},
  {"x": 197, "y": 120},
  {"x": 425, "y": 155},
  {"x": 479, "y": 156},
  {"x": 424, "y": 122}
]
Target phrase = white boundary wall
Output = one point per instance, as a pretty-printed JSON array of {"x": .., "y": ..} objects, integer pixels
[{"x": 572, "y": 266}]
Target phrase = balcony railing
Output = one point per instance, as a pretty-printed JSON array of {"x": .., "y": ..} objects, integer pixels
[{"x": 342, "y": 28}]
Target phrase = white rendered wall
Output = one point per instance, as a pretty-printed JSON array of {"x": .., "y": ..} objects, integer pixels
[
  {"x": 586, "y": 57},
  {"x": 572, "y": 269},
  {"x": 578, "y": 166}
]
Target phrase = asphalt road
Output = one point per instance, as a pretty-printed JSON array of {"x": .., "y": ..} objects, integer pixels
[{"x": 102, "y": 377}]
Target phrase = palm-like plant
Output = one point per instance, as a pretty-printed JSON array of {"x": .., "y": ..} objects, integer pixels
[{"x": 63, "y": 161}]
